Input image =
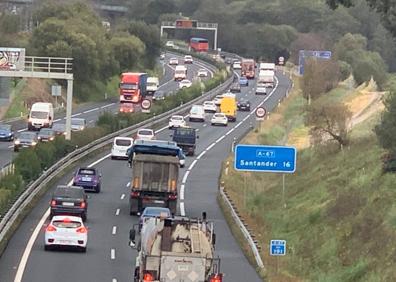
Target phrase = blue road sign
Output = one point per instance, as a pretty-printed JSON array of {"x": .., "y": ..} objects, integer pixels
[
  {"x": 278, "y": 247},
  {"x": 265, "y": 158},
  {"x": 323, "y": 54},
  {"x": 302, "y": 54}
]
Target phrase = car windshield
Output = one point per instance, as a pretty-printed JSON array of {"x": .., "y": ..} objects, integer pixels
[
  {"x": 145, "y": 132},
  {"x": 66, "y": 224},
  {"x": 123, "y": 142},
  {"x": 153, "y": 212},
  {"x": 27, "y": 135},
  {"x": 177, "y": 118},
  {"x": 78, "y": 121},
  {"x": 5, "y": 127},
  {"x": 86, "y": 171},
  {"x": 38, "y": 114},
  {"x": 46, "y": 132},
  {"x": 209, "y": 103},
  {"x": 59, "y": 126}
]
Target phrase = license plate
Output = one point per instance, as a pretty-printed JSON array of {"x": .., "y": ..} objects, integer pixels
[
  {"x": 86, "y": 179},
  {"x": 64, "y": 241},
  {"x": 68, "y": 204},
  {"x": 158, "y": 202}
]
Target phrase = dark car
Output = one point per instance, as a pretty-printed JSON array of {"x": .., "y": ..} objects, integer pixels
[
  {"x": 25, "y": 140},
  {"x": 186, "y": 139},
  {"x": 59, "y": 128},
  {"x": 243, "y": 81},
  {"x": 87, "y": 178},
  {"x": 69, "y": 200},
  {"x": 46, "y": 134},
  {"x": 150, "y": 212},
  {"x": 159, "y": 95},
  {"x": 6, "y": 132},
  {"x": 243, "y": 105},
  {"x": 235, "y": 87}
]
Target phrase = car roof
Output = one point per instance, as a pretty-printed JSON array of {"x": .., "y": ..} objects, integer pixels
[
  {"x": 150, "y": 210},
  {"x": 123, "y": 138},
  {"x": 177, "y": 116}
]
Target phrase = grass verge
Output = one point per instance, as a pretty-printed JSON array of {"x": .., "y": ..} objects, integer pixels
[{"x": 340, "y": 217}]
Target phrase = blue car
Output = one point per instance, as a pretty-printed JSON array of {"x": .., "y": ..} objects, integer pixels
[
  {"x": 243, "y": 81},
  {"x": 150, "y": 212},
  {"x": 6, "y": 132},
  {"x": 87, "y": 178}
]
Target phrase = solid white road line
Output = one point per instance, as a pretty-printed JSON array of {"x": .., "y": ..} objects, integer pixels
[
  {"x": 20, "y": 130},
  {"x": 185, "y": 176},
  {"x": 91, "y": 110},
  {"x": 117, "y": 212},
  {"x": 114, "y": 230},
  {"x": 112, "y": 254},
  {"x": 75, "y": 115},
  {"x": 182, "y": 192},
  {"x": 29, "y": 246},
  {"x": 108, "y": 105},
  {"x": 182, "y": 210},
  {"x": 192, "y": 165}
]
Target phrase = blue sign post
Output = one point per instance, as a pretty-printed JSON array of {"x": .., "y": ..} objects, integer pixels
[
  {"x": 278, "y": 247},
  {"x": 325, "y": 55},
  {"x": 281, "y": 159},
  {"x": 265, "y": 158}
]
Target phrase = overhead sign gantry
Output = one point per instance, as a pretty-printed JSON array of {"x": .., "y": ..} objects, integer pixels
[{"x": 14, "y": 63}]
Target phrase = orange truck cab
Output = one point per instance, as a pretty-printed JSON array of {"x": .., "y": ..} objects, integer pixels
[{"x": 133, "y": 87}]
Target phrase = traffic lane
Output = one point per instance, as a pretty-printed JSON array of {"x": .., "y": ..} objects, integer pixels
[
  {"x": 6, "y": 153},
  {"x": 101, "y": 219}
]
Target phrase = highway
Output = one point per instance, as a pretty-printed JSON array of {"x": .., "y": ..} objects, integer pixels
[
  {"x": 91, "y": 112},
  {"x": 108, "y": 257}
]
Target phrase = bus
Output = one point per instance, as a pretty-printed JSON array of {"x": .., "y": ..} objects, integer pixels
[{"x": 199, "y": 44}]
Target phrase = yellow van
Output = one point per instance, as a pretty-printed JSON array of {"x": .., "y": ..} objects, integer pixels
[{"x": 228, "y": 106}]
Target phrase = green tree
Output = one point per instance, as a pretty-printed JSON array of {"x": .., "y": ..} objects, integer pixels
[
  {"x": 28, "y": 165},
  {"x": 328, "y": 121},
  {"x": 127, "y": 50},
  {"x": 387, "y": 126}
]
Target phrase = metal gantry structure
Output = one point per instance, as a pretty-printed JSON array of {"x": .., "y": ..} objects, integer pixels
[{"x": 49, "y": 68}]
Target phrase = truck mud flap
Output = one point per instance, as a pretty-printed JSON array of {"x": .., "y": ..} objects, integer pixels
[
  {"x": 134, "y": 206},
  {"x": 172, "y": 205}
]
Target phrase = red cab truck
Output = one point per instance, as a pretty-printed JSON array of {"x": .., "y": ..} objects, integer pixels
[
  {"x": 248, "y": 68},
  {"x": 133, "y": 87}
]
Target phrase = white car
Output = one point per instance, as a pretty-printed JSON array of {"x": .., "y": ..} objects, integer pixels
[
  {"x": 236, "y": 66},
  {"x": 217, "y": 99},
  {"x": 176, "y": 121},
  {"x": 188, "y": 59},
  {"x": 65, "y": 230},
  {"x": 173, "y": 61},
  {"x": 120, "y": 147},
  {"x": 185, "y": 83},
  {"x": 210, "y": 106},
  {"x": 202, "y": 73},
  {"x": 219, "y": 119},
  {"x": 170, "y": 44},
  {"x": 162, "y": 56},
  {"x": 197, "y": 112},
  {"x": 78, "y": 124},
  {"x": 145, "y": 134}
]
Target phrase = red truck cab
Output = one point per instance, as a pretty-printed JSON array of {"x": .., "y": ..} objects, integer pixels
[{"x": 133, "y": 87}]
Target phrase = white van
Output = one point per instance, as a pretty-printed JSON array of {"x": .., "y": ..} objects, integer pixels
[
  {"x": 41, "y": 115},
  {"x": 197, "y": 112},
  {"x": 152, "y": 84},
  {"x": 120, "y": 147},
  {"x": 180, "y": 73}
]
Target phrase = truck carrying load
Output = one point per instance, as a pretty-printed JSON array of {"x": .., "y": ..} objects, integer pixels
[
  {"x": 176, "y": 249},
  {"x": 248, "y": 68},
  {"x": 267, "y": 66},
  {"x": 133, "y": 87},
  {"x": 155, "y": 171},
  {"x": 266, "y": 78}
]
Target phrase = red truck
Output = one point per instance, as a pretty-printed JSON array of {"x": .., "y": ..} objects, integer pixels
[
  {"x": 133, "y": 87},
  {"x": 248, "y": 68}
]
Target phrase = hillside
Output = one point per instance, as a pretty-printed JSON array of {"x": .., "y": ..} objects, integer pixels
[{"x": 339, "y": 216}]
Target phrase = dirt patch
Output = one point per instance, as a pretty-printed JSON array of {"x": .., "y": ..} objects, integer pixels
[{"x": 37, "y": 90}]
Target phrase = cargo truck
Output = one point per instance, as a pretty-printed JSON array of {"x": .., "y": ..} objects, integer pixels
[
  {"x": 266, "y": 78},
  {"x": 176, "y": 249},
  {"x": 155, "y": 171},
  {"x": 152, "y": 85},
  {"x": 133, "y": 87},
  {"x": 248, "y": 68}
]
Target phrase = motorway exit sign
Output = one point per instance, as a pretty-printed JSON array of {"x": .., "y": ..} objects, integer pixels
[
  {"x": 264, "y": 158},
  {"x": 278, "y": 247}
]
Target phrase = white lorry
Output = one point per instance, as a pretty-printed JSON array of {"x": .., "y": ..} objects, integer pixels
[
  {"x": 176, "y": 249},
  {"x": 152, "y": 85},
  {"x": 41, "y": 115},
  {"x": 180, "y": 73},
  {"x": 267, "y": 67},
  {"x": 266, "y": 78}
]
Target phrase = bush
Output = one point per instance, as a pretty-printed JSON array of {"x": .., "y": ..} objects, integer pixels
[
  {"x": 28, "y": 165},
  {"x": 345, "y": 69}
]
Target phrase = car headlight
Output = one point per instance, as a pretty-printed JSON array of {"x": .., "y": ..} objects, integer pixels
[
  {"x": 39, "y": 137},
  {"x": 9, "y": 133},
  {"x": 34, "y": 143},
  {"x": 17, "y": 142}
]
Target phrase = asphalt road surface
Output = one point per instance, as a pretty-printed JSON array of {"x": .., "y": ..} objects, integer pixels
[{"x": 108, "y": 257}]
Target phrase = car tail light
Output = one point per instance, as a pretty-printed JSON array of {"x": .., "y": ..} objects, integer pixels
[
  {"x": 172, "y": 196},
  {"x": 51, "y": 228},
  {"x": 82, "y": 229},
  {"x": 53, "y": 203},
  {"x": 216, "y": 277},
  {"x": 83, "y": 205},
  {"x": 148, "y": 277},
  {"x": 135, "y": 194}
]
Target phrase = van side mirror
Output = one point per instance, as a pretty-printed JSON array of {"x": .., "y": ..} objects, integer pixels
[
  {"x": 197, "y": 136},
  {"x": 50, "y": 118}
]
